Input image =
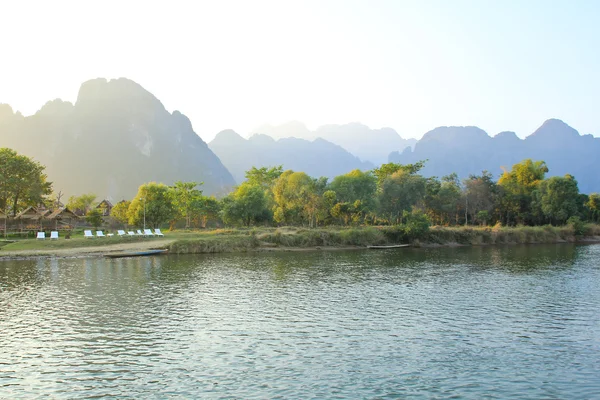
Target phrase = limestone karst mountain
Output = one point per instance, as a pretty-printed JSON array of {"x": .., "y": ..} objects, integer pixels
[
  {"x": 373, "y": 145},
  {"x": 470, "y": 150},
  {"x": 317, "y": 158},
  {"x": 115, "y": 137}
]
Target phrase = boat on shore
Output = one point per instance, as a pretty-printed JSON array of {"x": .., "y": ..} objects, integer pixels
[
  {"x": 392, "y": 246},
  {"x": 137, "y": 253}
]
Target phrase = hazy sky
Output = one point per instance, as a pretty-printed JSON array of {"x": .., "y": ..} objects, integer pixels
[{"x": 410, "y": 65}]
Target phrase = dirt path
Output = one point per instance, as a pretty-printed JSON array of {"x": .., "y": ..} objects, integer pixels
[{"x": 88, "y": 251}]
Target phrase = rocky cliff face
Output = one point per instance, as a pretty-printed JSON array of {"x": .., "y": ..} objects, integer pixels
[
  {"x": 114, "y": 138},
  {"x": 469, "y": 150},
  {"x": 317, "y": 158}
]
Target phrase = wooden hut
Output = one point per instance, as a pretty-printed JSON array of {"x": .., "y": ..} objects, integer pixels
[
  {"x": 106, "y": 207},
  {"x": 31, "y": 218},
  {"x": 63, "y": 218}
]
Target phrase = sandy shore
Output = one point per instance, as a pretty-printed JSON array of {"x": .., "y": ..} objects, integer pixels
[{"x": 92, "y": 251}]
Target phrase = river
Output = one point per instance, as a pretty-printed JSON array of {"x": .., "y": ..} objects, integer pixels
[{"x": 478, "y": 322}]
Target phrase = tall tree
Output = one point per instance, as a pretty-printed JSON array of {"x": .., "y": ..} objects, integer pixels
[
  {"x": 22, "y": 181},
  {"x": 186, "y": 199},
  {"x": 247, "y": 205},
  {"x": 82, "y": 203},
  {"x": 154, "y": 203}
]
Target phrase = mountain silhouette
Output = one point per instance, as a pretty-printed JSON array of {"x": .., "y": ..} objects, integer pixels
[
  {"x": 470, "y": 150},
  {"x": 317, "y": 158},
  {"x": 368, "y": 144},
  {"x": 116, "y": 137}
]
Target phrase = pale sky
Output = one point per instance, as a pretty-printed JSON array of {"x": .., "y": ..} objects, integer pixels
[{"x": 410, "y": 65}]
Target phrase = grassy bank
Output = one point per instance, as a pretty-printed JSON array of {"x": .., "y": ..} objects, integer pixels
[{"x": 288, "y": 238}]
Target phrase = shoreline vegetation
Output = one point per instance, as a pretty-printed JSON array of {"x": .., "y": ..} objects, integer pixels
[{"x": 296, "y": 239}]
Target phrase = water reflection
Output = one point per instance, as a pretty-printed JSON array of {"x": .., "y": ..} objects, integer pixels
[{"x": 513, "y": 321}]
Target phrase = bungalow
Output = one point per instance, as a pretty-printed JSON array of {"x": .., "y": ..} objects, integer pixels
[
  {"x": 31, "y": 218},
  {"x": 63, "y": 218},
  {"x": 106, "y": 207}
]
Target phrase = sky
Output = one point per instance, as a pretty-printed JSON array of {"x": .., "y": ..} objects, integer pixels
[{"x": 410, "y": 65}]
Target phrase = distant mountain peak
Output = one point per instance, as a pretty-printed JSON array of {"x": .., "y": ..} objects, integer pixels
[
  {"x": 507, "y": 136},
  {"x": 554, "y": 129}
]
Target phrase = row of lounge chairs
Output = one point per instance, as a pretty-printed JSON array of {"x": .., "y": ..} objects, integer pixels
[
  {"x": 147, "y": 232},
  {"x": 89, "y": 234}
]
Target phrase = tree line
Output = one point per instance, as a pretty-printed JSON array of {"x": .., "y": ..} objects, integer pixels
[{"x": 391, "y": 194}]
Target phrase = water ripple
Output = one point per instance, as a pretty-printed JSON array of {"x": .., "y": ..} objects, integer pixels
[{"x": 493, "y": 323}]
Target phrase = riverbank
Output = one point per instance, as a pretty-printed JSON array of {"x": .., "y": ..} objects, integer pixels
[{"x": 296, "y": 239}]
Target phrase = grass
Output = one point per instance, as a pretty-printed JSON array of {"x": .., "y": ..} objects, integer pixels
[
  {"x": 248, "y": 239},
  {"x": 77, "y": 241}
]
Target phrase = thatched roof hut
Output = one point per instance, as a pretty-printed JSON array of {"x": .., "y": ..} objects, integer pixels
[
  {"x": 62, "y": 216},
  {"x": 31, "y": 214}
]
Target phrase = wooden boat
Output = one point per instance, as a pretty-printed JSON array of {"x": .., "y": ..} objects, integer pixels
[
  {"x": 393, "y": 246},
  {"x": 137, "y": 253}
]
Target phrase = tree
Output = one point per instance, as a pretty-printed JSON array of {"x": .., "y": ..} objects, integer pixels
[
  {"x": 516, "y": 188},
  {"x": 187, "y": 200},
  {"x": 557, "y": 197},
  {"x": 22, "y": 181},
  {"x": 400, "y": 192},
  {"x": 263, "y": 177},
  {"x": 386, "y": 170},
  {"x": 246, "y": 205},
  {"x": 593, "y": 204},
  {"x": 82, "y": 203},
  {"x": 94, "y": 217},
  {"x": 355, "y": 185},
  {"x": 155, "y": 201},
  {"x": 119, "y": 211},
  {"x": 481, "y": 196},
  {"x": 296, "y": 198}
]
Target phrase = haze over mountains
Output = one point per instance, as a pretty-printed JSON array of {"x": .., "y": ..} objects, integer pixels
[
  {"x": 114, "y": 138},
  {"x": 317, "y": 157},
  {"x": 373, "y": 145},
  {"x": 470, "y": 150},
  {"x": 117, "y": 136}
]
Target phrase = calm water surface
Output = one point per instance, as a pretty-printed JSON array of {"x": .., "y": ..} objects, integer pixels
[{"x": 521, "y": 322}]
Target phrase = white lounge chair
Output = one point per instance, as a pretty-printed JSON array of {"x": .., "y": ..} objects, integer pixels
[
  {"x": 121, "y": 233},
  {"x": 87, "y": 234},
  {"x": 157, "y": 232},
  {"x": 131, "y": 233},
  {"x": 139, "y": 232},
  {"x": 41, "y": 235},
  {"x": 148, "y": 232},
  {"x": 100, "y": 234},
  {"x": 54, "y": 235}
]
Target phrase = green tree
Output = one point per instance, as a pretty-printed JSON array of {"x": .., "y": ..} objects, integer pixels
[
  {"x": 593, "y": 205},
  {"x": 247, "y": 205},
  {"x": 558, "y": 198},
  {"x": 82, "y": 203},
  {"x": 355, "y": 185},
  {"x": 263, "y": 177},
  {"x": 94, "y": 217},
  {"x": 296, "y": 198},
  {"x": 481, "y": 195},
  {"x": 387, "y": 170},
  {"x": 119, "y": 211},
  {"x": 155, "y": 202},
  {"x": 516, "y": 189},
  {"x": 22, "y": 181},
  {"x": 187, "y": 200},
  {"x": 400, "y": 192}
]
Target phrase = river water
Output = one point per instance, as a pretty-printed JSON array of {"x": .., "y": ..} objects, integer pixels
[{"x": 482, "y": 322}]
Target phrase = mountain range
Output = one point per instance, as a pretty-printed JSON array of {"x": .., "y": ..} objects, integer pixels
[
  {"x": 373, "y": 145},
  {"x": 115, "y": 137},
  {"x": 470, "y": 150},
  {"x": 317, "y": 158}
]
